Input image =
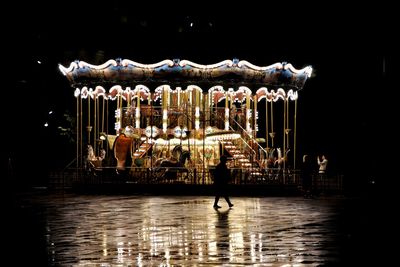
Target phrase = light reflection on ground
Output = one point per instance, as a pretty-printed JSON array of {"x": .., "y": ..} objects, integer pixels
[{"x": 187, "y": 231}]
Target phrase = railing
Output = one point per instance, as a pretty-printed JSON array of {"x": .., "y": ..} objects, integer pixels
[{"x": 71, "y": 177}]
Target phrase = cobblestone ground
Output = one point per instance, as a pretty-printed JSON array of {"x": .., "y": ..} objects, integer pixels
[{"x": 71, "y": 230}]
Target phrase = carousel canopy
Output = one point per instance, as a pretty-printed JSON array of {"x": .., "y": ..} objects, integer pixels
[{"x": 125, "y": 72}]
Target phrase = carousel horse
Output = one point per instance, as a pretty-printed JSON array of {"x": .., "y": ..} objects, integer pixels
[
  {"x": 89, "y": 158},
  {"x": 271, "y": 157},
  {"x": 279, "y": 161},
  {"x": 170, "y": 167},
  {"x": 122, "y": 147},
  {"x": 275, "y": 163},
  {"x": 93, "y": 163}
]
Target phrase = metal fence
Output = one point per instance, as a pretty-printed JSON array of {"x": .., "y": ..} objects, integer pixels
[{"x": 70, "y": 177}]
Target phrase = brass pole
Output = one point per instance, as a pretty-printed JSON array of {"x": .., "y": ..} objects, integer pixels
[
  {"x": 266, "y": 121},
  {"x": 80, "y": 128},
  {"x": 77, "y": 131},
  {"x": 294, "y": 133},
  {"x": 216, "y": 113},
  {"x": 98, "y": 122},
  {"x": 255, "y": 115},
  {"x": 248, "y": 102},
  {"x": 178, "y": 101},
  {"x": 204, "y": 135},
  {"x": 284, "y": 132},
  {"x": 137, "y": 122},
  {"x": 95, "y": 125},
  {"x": 226, "y": 120},
  {"x": 117, "y": 119},
  {"x": 272, "y": 123},
  {"x": 107, "y": 116},
  {"x": 255, "y": 122},
  {"x": 120, "y": 111},
  {"x": 102, "y": 116},
  {"x": 88, "y": 119},
  {"x": 287, "y": 123},
  {"x": 151, "y": 129},
  {"x": 189, "y": 113}
]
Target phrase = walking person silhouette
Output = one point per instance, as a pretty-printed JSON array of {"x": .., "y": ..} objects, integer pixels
[{"x": 221, "y": 178}]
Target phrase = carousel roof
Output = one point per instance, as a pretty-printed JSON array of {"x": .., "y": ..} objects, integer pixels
[{"x": 181, "y": 72}]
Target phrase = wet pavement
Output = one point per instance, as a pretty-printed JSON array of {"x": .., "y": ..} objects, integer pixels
[{"x": 91, "y": 230}]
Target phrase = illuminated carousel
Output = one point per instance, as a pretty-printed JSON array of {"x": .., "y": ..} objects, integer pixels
[{"x": 171, "y": 121}]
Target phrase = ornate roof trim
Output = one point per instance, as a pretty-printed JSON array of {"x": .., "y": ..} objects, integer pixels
[{"x": 241, "y": 73}]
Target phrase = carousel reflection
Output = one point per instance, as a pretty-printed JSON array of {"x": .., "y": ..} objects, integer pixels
[{"x": 187, "y": 231}]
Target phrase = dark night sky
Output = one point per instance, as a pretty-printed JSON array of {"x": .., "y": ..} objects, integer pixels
[{"x": 339, "y": 112}]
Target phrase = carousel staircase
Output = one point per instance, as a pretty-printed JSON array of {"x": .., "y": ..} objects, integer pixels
[
  {"x": 142, "y": 150},
  {"x": 242, "y": 160}
]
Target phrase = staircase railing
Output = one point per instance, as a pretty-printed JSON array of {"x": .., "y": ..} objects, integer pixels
[
  {"x": 246, "y": 133},
  {"x": 250, "y": 152}
]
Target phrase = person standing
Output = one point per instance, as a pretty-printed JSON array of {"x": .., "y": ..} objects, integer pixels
[
  {"x": 222, "y": 176},
  {"x": 323, "y": 164}
]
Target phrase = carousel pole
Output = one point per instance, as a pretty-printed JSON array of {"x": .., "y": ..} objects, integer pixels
[
  {"x": 284, "y": 132},
  {"x": 197, "y": 111},
  {"x": 204, "y": 135},
  {"x": 102, "y": 116},
  {"x": 164, "y": 111},
  {"x": 255, "y": 123},
  {"x": 266, "y": 123},
  {"x": 288, "y": 124},
  {"x": 107, "y": 115},
  {"x": 88, "y": 128},
  {"x": 80, "y": 129},
  {"x": 248, "y": 111},
  {"x": 196, "y": 123},
  {"x": 209, "y": 109},
  {"x": 150, "y": 103},
  {"x": 187, "y": 119},
  {"x": 216, "y": 112},
  {"x": 98, "y": 123},
  {"x": 272, "y": 124},
  {"x": 226, "y": 111},
  {"x": 191, "y": 110},
  {"x": 178, "y": 89},
  {"x": 95, "y": 124},
  {"x": 77, "y": 131},
  {"x": 137, "y": 115},
  {"x": 294, "y": 133},
  {"x": 117, "y": 119},
  {"x": 187, "y": 100},
  {"x": 287, "y": 131},
  {"x": 120, "y": 109}
]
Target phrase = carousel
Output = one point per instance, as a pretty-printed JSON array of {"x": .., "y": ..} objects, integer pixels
[{"x": 171, "y": 121}]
